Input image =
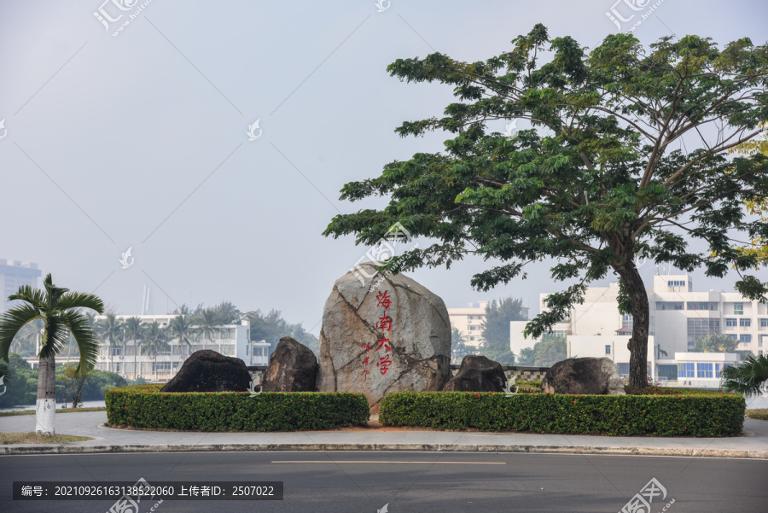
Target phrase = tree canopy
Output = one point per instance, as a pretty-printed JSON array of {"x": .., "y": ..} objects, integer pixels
[
  {"x": 626, "y": 158},
  {"x": 498, "y": 315}
]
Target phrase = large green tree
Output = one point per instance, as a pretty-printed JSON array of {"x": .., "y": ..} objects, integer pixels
[
  {"x": 271, "y": 327},
  {"x": 546, "y": 352},
  {"x": 60, "y": 311},
  {"x": 626, "y": 158},
  {"x": 498, "y": 315}
]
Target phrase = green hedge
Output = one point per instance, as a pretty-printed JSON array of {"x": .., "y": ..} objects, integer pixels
[
  {"x": 656, "y": 415},
  {"x": 144, "y": 406}
]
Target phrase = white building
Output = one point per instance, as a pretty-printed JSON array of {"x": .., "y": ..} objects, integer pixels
[
  {"x": 679, "y": 317},
  {"x": 469, "y": 321},
  {"x": 133, "y": 361}
]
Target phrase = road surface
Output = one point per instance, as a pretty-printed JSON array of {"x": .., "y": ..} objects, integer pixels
[{"x": 418, "y": 482}]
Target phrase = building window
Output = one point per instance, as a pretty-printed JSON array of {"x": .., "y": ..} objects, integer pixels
[
  {"x": 731, "y": 322},
  {"x": 701, "y": 305},
  {"x": 738, "y": 308},
  {"x": 607, "y": 349},
  {"x": 745, "y": 338},
  {"x": 699, "y": 328},
  {"x": 704, "y": 370},
  {"x": 626, "y": 322},
  {"x": 674, "y": 284},
  {"x": 764, "y": 323},
  {"x": 669, "y": 305},
  {"x": 668, "y": 372},
  {"x": 685, "y": 370},
  {"x": 161, "y": 366},
  {"x": 623, "y": 369},
  {"x": 732, "y": 336},
  {"x": 745, "y": 323},
  {"x": 718, "y": 370}
]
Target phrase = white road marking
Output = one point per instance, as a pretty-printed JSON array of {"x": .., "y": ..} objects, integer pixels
[{"x": 393, "y": 462}]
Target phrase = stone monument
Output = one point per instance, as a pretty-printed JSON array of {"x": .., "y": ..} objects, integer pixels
[{"x": 383, "y": 333}]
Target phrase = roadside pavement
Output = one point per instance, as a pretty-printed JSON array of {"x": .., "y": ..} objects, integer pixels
[{"x": 752, "y": 444}]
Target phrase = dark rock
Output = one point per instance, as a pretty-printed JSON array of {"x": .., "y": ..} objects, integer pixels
[
  {"x": 478, "y": 374},
  {"x": 209, "y": 371},
  {"x": 292, "y": 368},
  {"x": 583, "y": 376}
]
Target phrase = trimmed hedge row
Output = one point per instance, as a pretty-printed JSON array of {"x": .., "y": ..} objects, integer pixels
[
  {"x": 144, "y": 406},
  {"x": 656, "y": 415}
]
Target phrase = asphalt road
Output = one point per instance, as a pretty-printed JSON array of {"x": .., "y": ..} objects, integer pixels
[{"x": 418, "y": 482}]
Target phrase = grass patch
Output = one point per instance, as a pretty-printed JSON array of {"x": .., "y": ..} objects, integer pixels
[
  {"x": 34, "y": 438},
  {"x": 758, "y": 413},
  {"x": 58, "y": 410}
]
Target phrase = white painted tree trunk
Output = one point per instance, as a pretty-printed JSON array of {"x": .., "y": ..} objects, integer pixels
[{"x": 45, "y": 412}]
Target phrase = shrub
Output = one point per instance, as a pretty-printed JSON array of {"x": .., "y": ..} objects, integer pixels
[
  {"x": 144, "y": 406},
  {"x": 758, "y": 413},
  {"x": 657, "y": 415}
]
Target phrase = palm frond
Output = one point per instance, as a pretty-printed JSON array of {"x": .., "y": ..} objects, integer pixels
[
  {"x": 80, "y": 300},
  {"x": 33, "y": 296},
  {"x": 11, "y": 323},
  {"x": 56, "y": 337},
  {"x": 53, "y": 292},
  {"x": 747, "y": 378},
  {"x": 82, "y": 332}
]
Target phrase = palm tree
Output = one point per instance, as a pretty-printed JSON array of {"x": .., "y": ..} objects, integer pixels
[
  {"x": 182, "y": 329},
  {"x": 747, "y": 378},
  {"x": 59, "y": 311},
  {"x": 227, "y": 313},
  {"x": 110, "y": 329},
  {"x": 133, "y": 332},
  {"x": 155, "y": 341},
  {"x": 208, "y": 324}
]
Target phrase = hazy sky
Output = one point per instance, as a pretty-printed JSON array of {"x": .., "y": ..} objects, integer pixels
[{"x": 140, "y": 139}]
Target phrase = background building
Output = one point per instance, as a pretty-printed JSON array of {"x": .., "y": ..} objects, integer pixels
[
  {"x": 679, "y": 318},
  {"x": 134, "y": 359},
  {"x": 469, "y": 321},
  {"x": 14, "y": 274}
]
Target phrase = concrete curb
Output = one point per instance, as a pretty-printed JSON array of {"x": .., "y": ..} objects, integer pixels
[{"x": 549, "y": 449}]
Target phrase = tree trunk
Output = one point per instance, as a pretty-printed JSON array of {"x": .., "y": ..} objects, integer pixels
[
  {"x": 80, "y": 381},
  {"x": 135, "y": 360},
  {"x": 634, "y": 287},
  {"x": 46, "y": 396}
]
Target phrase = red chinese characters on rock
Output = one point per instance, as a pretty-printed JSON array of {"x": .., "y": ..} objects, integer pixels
[
  {"x": 383, "y": 346},
  {"x": 383, "y": 300}
]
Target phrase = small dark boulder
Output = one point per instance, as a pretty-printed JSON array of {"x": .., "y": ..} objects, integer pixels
[
  {"x": 478, "y": 374},
  {"x": 292, "y": 368},
  {"x": 209, "y": 371},
  {"x": 583, "y": 376}
]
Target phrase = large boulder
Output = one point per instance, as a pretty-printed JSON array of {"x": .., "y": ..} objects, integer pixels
[
  {"x": 292, "y": 368},
  {"x": 209, "y": 371},
  {"x": 478, "y": 374},
  {"x": 583, "y": 376},
  {"x": 383, "y": 333}
]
